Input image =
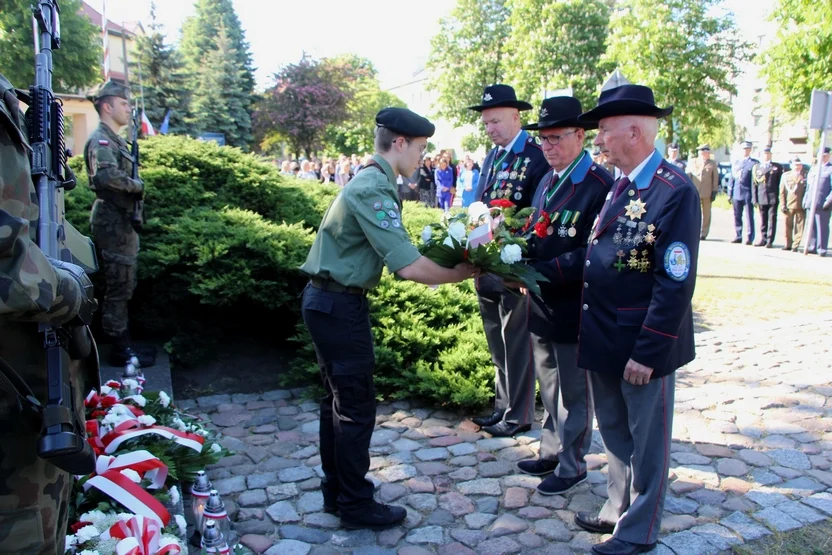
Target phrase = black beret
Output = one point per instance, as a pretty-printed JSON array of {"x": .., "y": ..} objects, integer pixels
[
  {"x": 827, "y": 150},
  {"x": 402, "y": 120}
]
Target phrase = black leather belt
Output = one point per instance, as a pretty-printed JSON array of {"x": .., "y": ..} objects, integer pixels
[{"x": 335, "y": 287}]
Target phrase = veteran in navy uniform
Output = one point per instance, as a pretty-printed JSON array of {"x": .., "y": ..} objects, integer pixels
[
  {"x": 637, "y": 324},
  {"x": 360, "y": 233},
  {"x": 510, "y": 171},
  {"x": 766, "y": 195},
  {"x": 741, "y": 193},
  {"x": 566, "y": 203}
]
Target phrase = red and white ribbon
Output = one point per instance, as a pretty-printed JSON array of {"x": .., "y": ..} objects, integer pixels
[
  {"x": 147, "y": 466},
  {"x": 128, "y": 430},
  {"x": 122, "y": 489},
  {"x": 140, "y": 536}
]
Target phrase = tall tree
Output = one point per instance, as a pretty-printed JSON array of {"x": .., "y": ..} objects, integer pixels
[
  {"x": 558, "y": 45},
  {"x": 686, "y": 53},
  {"x": 803, "y": 46},
  {"x": 365, "y": 98},
  {"x": 469, "y": 52},
  {"x": 222, "y": 103},
  {"x": 200, "y": 39},
  {"x": 163, "y": 83},
  {"x": 305, "y": 99},
  {"x": 77, "y": 62}
]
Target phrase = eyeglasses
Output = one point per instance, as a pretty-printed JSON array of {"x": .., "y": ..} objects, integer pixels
[{"x": 554, "y": 140}]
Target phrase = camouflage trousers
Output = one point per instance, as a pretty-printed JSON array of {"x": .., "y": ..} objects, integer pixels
[
  {"x": 118, "y": 245},
  {"x": 34, "y": 494}
]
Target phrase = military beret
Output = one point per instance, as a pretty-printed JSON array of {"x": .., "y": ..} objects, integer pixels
[
  {"x": 747, "y": 144},
  {"x": 705, "y": 147},
  {"x": 673, "y": 146},
  {"x": 827, "y": 150},
  {"x": 402, "y": 120},
  {"x": 110, "y": 88},
  {"x": 767, "y": 149}
]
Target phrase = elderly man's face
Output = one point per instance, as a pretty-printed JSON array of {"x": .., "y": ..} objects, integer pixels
[
  {"x": 569, "y": 141},
  {"x": 500, "y": 124},
  {"x": 614, "y": 138}
]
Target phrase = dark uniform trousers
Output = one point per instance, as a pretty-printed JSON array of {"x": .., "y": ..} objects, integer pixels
[
  {"x": 768, "y": 223},
  {"x": 340, "y": 327}
]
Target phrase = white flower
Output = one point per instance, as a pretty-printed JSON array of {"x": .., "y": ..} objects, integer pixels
[
  {"x": 105, "y": 389},
  {"x": 179, "y": 424},
  {"x": 132, "y": 474},
  {"x": 427, "y": 233},
  {"x": 203, "y": 433},
  {"x": 130, "y": 384},
  {"x": 457, "y": 231},
  {"x": 476, "y": 210},
  {"x": 125, "y": 516},
  {"x": 87, "y": 533},
  {"x": 138, "y": 399},
  {"x": 71, "y": 540},
  {"x": 164, "y": 399},
  {"x": 511, "y": 254},
  {"x": 94, "y": 517},
  {"x": 147, "y": 420},
  {"x": 181, "y": 523},
  {"x": 449, "y": 242},
  {"x": 215, "y": 448},
  {"x": 89, "y": 552},
  {"x": 174, "y": 495}
]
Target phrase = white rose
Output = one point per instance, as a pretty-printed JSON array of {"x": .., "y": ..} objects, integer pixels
[
  {"x": 182, "y": 524},
  {"x": 427, "y": 233},
  {"x": 164, "y": 399},
  {"x": 147, "y": 420},
  {"x": 87, "y": 533},
  {"x": 476, "y": 210},
  {"x": 457, "y": 231},
  {"x": 132, "y": 474},
  {"x": 71, "y": 540},
  {"x": 511, "y": 254},
  {"x": 138, "y": 399},
  {"x": 215, "y": 448}
]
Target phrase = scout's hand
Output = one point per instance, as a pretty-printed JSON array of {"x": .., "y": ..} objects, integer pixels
[
  {"x": 637, "y": 374},
  {"x": 464, "y": 270}
]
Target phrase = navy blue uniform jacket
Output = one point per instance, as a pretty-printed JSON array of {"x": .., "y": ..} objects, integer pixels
[
  {"x": 560, "y": 256},
  {"x": 741, "y": 189},
  {"x": 640, "y": 273},
  {"x": 515, "y": 179}
]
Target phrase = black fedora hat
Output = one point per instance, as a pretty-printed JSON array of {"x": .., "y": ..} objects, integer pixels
[
  {"x": 560, "y": 111},
  {"x": 500, "y": 96},
  {"x": 626, "y": 100}
]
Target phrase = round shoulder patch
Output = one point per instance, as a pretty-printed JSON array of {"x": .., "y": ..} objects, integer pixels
[
  {"x": 388, "y": 204},
  {"x": 384, "y": 224},
  {"x": 377, "y": 206},
  {"x": 677, "y": 261},
  {"x": 380, "y": 215}
]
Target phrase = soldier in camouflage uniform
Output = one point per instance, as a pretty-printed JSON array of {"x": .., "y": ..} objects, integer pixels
[
  {"x": 109, "y": 166},
  {"x": 34, "y": 494}
]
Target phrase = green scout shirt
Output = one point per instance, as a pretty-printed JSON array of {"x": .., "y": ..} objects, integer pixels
[{"x": 361, "y": 232}]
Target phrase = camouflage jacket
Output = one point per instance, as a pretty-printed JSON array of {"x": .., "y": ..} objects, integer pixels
[
  {"x": 109, "y": 166},
  {"x": 30, "y": 289}
]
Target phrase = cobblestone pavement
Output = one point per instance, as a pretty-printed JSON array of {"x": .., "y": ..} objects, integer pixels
[{"x": 752, "y": 453}]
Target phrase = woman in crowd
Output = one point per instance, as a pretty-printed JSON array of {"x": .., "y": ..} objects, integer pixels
[
  {"x": 444, "y": 184},
  {"x": 468, "y": 179}
]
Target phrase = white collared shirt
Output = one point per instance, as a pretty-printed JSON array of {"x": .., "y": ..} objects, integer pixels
[
  {"x": 510, "y": 145},
  {"x": 634, "y": 174}
]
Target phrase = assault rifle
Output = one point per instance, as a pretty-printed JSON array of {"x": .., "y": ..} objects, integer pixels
[
  {"x": 137, "y": 217},
  {"x": 62, "y": 440}
]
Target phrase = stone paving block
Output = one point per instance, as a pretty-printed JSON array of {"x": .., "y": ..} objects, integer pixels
[
  {"x": 801, "y": 512},
  {"x": 716, "y": 535},
  {"x": 821, "y": 502},
  {"x": 484, "y": 486},
  {"x": 766, "y": 497},
  {"x": 499, "y": 546},
  {"x": 688, "y": 543},
  {"x": 427, "y": 535},
  {"x": 777, "y": 519},
  {"x": 746, "y": 528},
  {"x": 289, "y": 547}
]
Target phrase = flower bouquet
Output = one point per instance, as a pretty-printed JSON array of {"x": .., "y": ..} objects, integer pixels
[{"x": 486, "y": 237}]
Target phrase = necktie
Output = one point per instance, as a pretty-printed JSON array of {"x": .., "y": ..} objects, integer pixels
[{"x": 622, "y": 184}]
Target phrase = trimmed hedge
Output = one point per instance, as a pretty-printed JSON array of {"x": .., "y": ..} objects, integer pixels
[{"x": 224, "y": 237}]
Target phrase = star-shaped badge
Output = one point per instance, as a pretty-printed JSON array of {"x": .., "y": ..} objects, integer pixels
[
  {"x": 649, "y": 238},
  {"x": 487, "y": 97},
  {"x": 636, "y": 209},
  {"x": 651, "y": 227}
]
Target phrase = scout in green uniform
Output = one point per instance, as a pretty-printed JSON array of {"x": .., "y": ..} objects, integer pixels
[{"x": 361, "y": 233}]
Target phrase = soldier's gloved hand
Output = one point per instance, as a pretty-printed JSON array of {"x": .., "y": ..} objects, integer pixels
[
  {"x": 75, "y": 290},
  {"x": 713, "y": 196}
]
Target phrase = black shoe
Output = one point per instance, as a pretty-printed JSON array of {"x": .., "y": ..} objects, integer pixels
[
  {"x": 787, "y": 248},
  {"x": 330, "y": 509},
  {"x": 594, "y": 524},
  {"x": 537, "y": 467},
  {"x": 614, "y": 546},
  {"x": 702, "y": 238},
  {"x": 760, "y": 244},
  {"x": 737, "y": 240},
  {"x": 769, "y": 245},
  {"x": 504, "y": 429},
  {"x": 489, "y": 420},
  {"x": 749, "y": 242},
  {"x": 554, "y": 485},
  {"x": 375, "y": 516}
]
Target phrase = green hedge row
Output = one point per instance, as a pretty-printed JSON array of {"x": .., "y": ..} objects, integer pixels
[{"x": 224, "y": 237}]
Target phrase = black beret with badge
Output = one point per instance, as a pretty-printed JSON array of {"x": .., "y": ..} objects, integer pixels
[{"x": 405, "y": 122}]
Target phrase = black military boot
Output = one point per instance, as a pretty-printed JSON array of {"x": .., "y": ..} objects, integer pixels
[{"x": 122, "y": 351}]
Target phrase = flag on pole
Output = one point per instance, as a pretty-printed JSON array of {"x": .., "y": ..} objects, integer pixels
[
  {"x": 104, "y": 40},
  {"x": 147, "y": 127},
  {"x": 165, "y": 123}
]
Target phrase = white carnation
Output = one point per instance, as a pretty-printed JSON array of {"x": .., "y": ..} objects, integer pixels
[
  {"x": 457, "y": 231},
  {"x": 71, "y": 540},
  {"x": 87, "y": 533},
  {"x": 179, "y": 424},
  {"x": 215, "y": 448},
  {"x": 130, "y": 384},
  {"x": 427, "y": 233},
  {"x": 147, "y": 420},
  {"x": 203, "y": 433},
  {"x": 164, "y": 399},
  {"x": 511, "y": 254},
  {"x": 132, "y": 474},
  {"x": 93, "y": 517},
  {"x": 182, "y": 524},
  {"x": 174, "y": 495},
  {"x": 138, "y": 399}
]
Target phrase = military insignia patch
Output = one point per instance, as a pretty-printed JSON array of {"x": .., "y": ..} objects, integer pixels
[
  {"x": 377, "y": 206},
  {"x": 103, "y": 142},
  {"x": 393, "y": 214},
  {"x": 677, "y": 261},
  {"x": 636, "y": 209},
  {"x": 384, "y": 224},
  {"x": 396, "y": 223},
  {"x": 388, "y": 204},
  {"x": 380, "y": 215}
]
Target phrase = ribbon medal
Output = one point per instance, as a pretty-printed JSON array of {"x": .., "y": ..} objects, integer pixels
[{"x": 572, "y": 231}]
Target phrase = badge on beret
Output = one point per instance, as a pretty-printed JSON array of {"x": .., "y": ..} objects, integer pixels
[
  {"x": 393, "y": 214},
  {"x": 377, "y": 206},
  {"x": 388, "y": 204},
  {"x": 384, "y": 224},
  {"x": 677, "y": 261},
  {"x": 380, "y": 215},
  {"x": 396, "y": 223}
]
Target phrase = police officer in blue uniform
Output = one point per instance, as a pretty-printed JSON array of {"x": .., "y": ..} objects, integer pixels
[
  {"x": 360, "y": 233},
  {"x": 566, "y": 203},
  {"x": 637, "y": 323},
  {"x": 741, "y": 194},
  {"x": 511, "y": 171}
]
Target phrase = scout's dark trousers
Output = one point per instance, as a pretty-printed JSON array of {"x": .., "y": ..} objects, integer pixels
[
  {"x": 768, "y": 223},
  {"x": 746, "y": 206},
  {"x": 340, "y": 327}
]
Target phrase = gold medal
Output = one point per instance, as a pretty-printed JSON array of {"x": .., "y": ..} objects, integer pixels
[{"x": 636, "y": 209}]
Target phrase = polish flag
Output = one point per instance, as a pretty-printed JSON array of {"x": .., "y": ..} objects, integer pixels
[{"x": 147, "y": 127}]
